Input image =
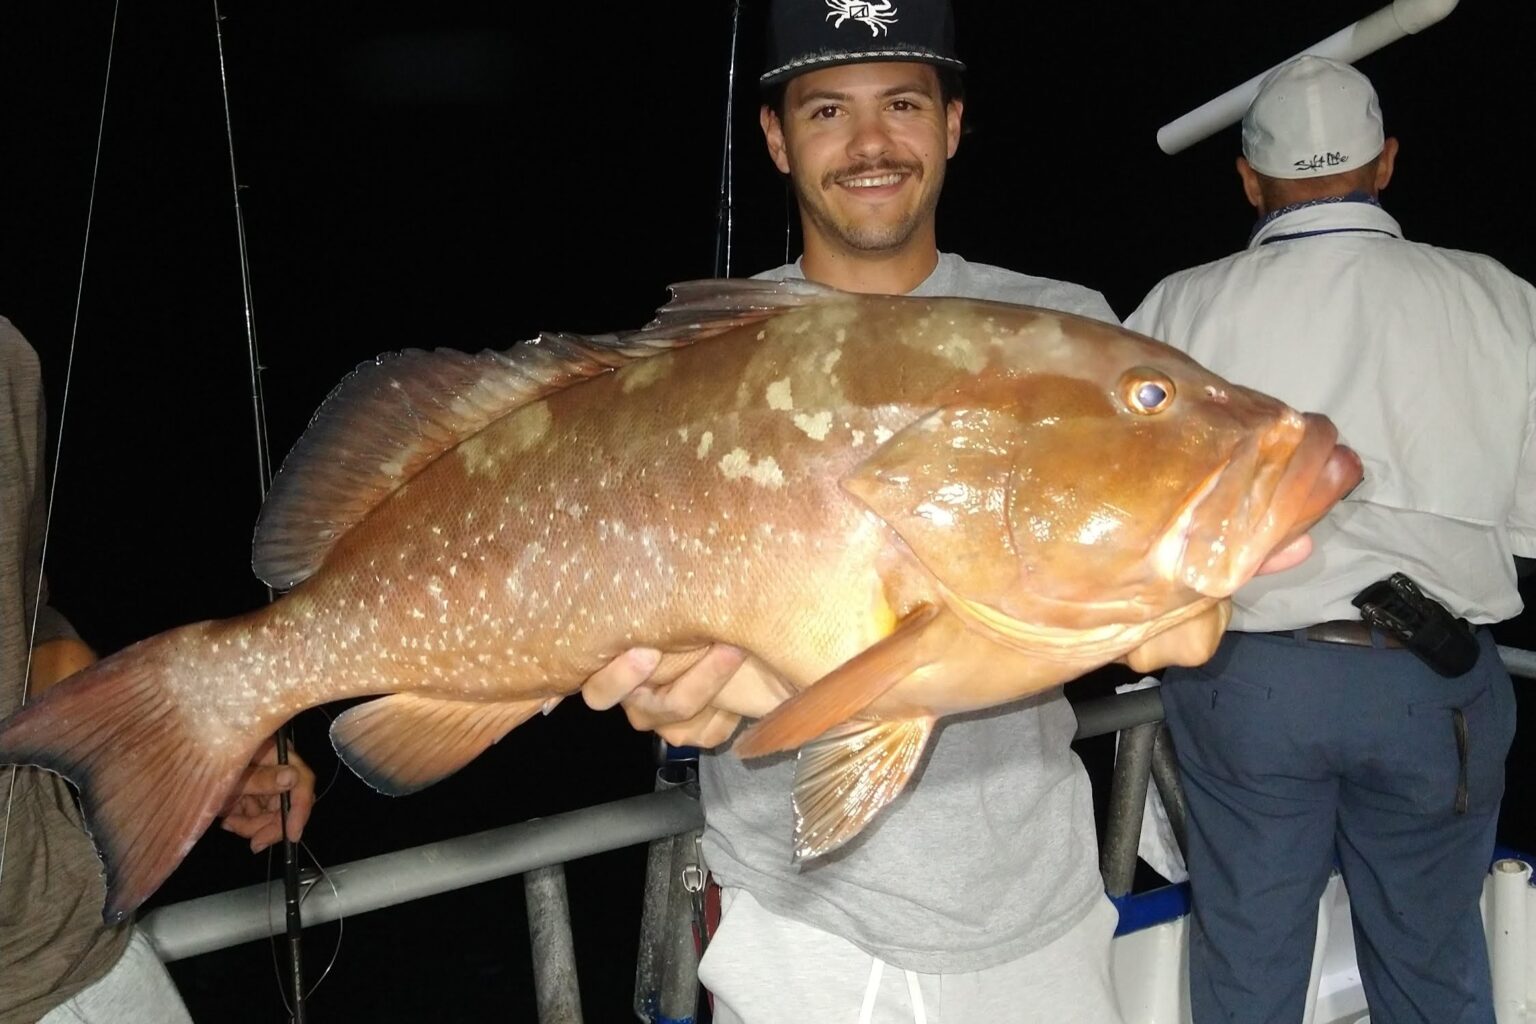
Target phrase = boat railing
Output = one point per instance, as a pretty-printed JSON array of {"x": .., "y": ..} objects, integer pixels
[{"x": 538, "y": 850}]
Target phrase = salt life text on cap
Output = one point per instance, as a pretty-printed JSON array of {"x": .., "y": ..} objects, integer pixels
[{"x": 1311, "y": 117}]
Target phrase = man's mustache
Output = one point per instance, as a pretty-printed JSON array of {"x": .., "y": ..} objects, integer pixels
[{"x": 869, "y": 169}]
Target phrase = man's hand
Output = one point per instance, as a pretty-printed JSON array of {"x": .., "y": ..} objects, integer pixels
[
  {"x": 54, "y": 661},
  {"x": 701, "y": 707},
  {"x": 254, "y": 810}
]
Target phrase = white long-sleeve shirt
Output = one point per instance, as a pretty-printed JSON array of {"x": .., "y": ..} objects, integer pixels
[{"x": 1425, "y": 359}]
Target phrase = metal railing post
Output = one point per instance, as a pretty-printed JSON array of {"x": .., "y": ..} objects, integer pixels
[
  {"x": 1127, "y": 798},
  {"x": 1165, "y": 773},
  {"x": 554, "y": 951}
]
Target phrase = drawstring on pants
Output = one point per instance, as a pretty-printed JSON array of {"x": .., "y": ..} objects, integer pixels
[{"x": 872, "y": 990}]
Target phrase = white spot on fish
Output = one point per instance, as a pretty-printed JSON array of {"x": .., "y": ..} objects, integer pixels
[
  {"x": 682, "y": 433},
  {"x": 735, "y": 464},
  {"x": 882, "y": 435},
  {"x": 815, "y": 427},
  {"x": 779, "y": 396},
  {"x": 858, "y": 438},
  {"x": 395, "y": 467},
  {"x": 705, "y": 440},
  {"x": 477, "y": 457},
  {"x": 527, "y": 427},
  {"x": 765, "y": 472},
  {"x": 959, "y": 350},
  {"x": 644, "y": 373}
]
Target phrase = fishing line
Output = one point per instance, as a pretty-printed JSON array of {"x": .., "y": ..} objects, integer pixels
[
  {"x": 724, "y": 221},
  {"x": 292, "y": 899},
  {"x": 58, "y": 440},
  {"x": 325, "y": 876}
]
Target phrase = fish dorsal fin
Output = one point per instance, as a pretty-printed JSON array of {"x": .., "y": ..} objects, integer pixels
[
  {"x": 714, "y": 305},
  {"x": 394, "y": 415}
]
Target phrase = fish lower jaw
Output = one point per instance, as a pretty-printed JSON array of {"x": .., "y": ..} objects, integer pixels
[{"x": 1064, "y": 644}]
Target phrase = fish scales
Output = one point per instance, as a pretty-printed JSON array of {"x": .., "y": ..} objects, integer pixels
[{"x": 588, "y": 523}]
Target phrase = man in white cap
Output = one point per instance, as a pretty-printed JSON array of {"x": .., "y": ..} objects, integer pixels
[
  {"x": 1312, "y": 739},
  {"x": 977, "y": 896}
]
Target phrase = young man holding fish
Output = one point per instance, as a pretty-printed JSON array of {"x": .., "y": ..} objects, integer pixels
[
  {"x": 1311, "y": 739},
  {"x": 58, "y": 961},
  {"x": 980, "y": 886}
]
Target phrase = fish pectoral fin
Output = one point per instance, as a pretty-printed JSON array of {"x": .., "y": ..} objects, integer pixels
[
  {"x": 404, "y": 742},
  {"x": 847, "y": 690},
  {"x": 845, "y": 778}
]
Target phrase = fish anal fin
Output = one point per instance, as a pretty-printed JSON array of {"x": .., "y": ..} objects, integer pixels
[
  {"x": 843, "y": 779},
  {"x": 846, "y": 691},
  {"x": 404, "y": 742}
]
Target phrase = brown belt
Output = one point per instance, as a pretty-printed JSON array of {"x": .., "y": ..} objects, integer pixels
[{"x": 1342, "y": 631}]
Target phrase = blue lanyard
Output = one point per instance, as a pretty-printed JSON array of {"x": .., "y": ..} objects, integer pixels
[{"x": 1325, "y": 231}]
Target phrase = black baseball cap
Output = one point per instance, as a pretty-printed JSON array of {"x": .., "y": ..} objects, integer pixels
[{"x": 807, "y": 35}]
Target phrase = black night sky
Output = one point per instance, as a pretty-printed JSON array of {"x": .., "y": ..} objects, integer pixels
[{"x": 465, "y": 175}]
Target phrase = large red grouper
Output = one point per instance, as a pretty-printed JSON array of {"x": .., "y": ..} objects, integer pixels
[{"x": 903, "y": 507}]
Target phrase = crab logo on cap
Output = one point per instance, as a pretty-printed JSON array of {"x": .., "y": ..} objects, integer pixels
[{"x": 877, "y": 15}]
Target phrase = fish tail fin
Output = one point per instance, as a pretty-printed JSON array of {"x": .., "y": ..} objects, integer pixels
[{"x": 149, "y": 784}]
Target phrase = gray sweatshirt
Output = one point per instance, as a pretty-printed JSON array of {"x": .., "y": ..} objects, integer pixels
[{"x": 990, "y": 853}]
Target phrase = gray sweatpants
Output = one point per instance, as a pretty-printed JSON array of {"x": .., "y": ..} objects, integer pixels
[
  {"x": 137, "y": 990},
  {"x": 763, "y": 968}
]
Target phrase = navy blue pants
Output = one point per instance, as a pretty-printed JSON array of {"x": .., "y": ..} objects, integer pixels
[{"x": 1297, "y": 755}]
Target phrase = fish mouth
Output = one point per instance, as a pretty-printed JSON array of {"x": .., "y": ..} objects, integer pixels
[{"x": 1251, "y": 516}]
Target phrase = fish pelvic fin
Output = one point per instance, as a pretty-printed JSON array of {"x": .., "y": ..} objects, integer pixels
[
  {"x": 404, "y": 742},
  {"x": 843, "y": 779},
  {"x": 149, "y": 785},
  {"x": 846, "y": 691}
]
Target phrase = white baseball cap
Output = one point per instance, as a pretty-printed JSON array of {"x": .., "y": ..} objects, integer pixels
[{"x": 1312, "y": 116}]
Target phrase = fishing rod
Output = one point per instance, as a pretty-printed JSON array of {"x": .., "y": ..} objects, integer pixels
[
  {"x": 58, "y": 450},
  {"x": 726, "y": 215},
  {"x": 295, "y": 996}
]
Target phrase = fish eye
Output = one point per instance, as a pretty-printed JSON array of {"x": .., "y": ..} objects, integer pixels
[{"x": 1147, "y": 391}]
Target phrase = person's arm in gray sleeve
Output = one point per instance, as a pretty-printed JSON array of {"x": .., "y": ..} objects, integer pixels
[{"x": 57, "y": 650}]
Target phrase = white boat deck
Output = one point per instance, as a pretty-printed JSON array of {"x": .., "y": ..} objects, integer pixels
[{"x": 1151, "y": 963}]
